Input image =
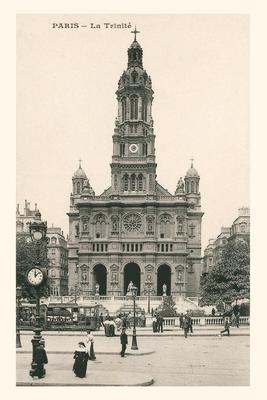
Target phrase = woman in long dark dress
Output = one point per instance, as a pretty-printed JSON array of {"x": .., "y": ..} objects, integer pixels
[
  {"x": 90, "y": 345},
  {"x": 81, "y": 357}
]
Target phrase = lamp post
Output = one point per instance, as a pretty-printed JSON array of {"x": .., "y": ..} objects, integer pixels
[
  {"x": 36, "y": 277},
  {"x": 134, "y": 341},
  {"x": 18, "y": 296}
]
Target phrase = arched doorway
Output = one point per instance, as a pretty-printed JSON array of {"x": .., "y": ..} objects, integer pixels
[
  {"x": 132, "y": 273},
  {"x": 164, "y": 277},
  {"x": 100, "y": 277}
]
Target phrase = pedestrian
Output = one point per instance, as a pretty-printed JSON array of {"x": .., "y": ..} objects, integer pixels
[
  {"x": 90, "y": 345},
  {"x": 32, "y": 319},
  {"x": 112, "y": 327},
  {"x": 154, "y": 324},
  {"x": 124, "y": 341},
  {"x": 101, "y": 320},
  {"x": 81, "y": 357},
  {"x": 40, "y": 358},
  {"x": 237, "y": 320},
  {"x": 233, "y": 319},
  {"x": 190, "y": 323},
  {"x": 160, "y": 321},
  {"x": 185, "y": 325},
  {"x": 106, "y": 326},
  {"x": 181, "y": 321},
  {"x": 124, "y": 321},
  {"x": 118, "y": 323},
  {"x": 226, "y": 328}
]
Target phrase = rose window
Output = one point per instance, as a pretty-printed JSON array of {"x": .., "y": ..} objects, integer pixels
[{"x": 132, "y": 222}]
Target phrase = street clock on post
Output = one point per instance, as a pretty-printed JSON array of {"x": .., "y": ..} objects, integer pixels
[{"x": 35, "y": 276}]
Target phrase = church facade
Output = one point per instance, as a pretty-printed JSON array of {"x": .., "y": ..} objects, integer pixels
[{"x": 136, "y": 230}]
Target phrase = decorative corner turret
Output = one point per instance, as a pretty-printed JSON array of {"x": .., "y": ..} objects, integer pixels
[{"x": 192, "y": 186}]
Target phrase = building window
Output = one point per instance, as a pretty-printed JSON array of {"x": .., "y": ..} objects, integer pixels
[
  {"x": 192, "y": 187},
  {"x": 144, "y": 110},
  {"x": 78, "y": 187},
  {"x": 126, "y": 183},
  {"x": 134, "y": 76},
  {"x": 123, "y": 109},
  {"x": 145, "y": 149},
  {"x": 134, "y": 107},
  {"x": 140, "y": 183},
  {"x": 191, "y": 230},
  {"x": 133, "y": 183},
  {"x": 165, "y": 226},
  {"x": 243, "y": 227},
  {"x": 100, "y": 226}
]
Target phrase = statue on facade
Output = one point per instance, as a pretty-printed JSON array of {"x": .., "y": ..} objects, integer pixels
[
  {"x": 97, "y": 289},
  {"x": 164, "y": 289},
  {"x": 180, "y": 186},
  {"x": 115, "y": 225},
  {"x": 180, "y": 276},
  {"x": 180, "y": 227},
  {"x": 84, "y": 276},
  {"x": 129, "y": 288},
  {"x": 150, "y": 224}
]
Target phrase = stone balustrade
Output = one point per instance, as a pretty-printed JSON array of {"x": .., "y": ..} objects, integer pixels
[{"x": 203, "y": 321}]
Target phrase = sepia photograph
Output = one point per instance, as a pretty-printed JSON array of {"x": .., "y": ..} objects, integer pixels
[{"x": 132, "y": 200}]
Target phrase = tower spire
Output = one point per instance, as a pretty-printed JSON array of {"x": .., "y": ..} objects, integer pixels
[
  {"x": 80, "y": 165},
  {"x": 135, "y": 32},
  {"x": 192, "y": 161}
]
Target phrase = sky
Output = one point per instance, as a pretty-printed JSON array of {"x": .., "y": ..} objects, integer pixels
[{"x": 66, "y": 106}]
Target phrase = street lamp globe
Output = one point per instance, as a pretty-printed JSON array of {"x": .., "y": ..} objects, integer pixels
[{"x": 37, "y": 230}]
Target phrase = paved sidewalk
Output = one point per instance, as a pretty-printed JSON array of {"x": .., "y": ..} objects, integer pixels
[
  {"x": 67, "y": 378},
  {"x": 173, "y": 361},
  {"x": 65, "y": 344}
]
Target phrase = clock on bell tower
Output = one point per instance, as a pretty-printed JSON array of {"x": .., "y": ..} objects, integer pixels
[{"x": 133, "y": 166}]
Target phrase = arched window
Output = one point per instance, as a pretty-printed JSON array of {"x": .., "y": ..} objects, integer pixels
[
  {"x": 134, "y": 107},
  {"x": 145, "y": 149},
  {"x": 78, "y": 187},
  {"x": 100, "y": 226},
  {"x": 140, "y": 182},
  {"x": 126, "y": 183},
  {"x": 192, "y": 187},
  {"x": 134, "y": 76},
  {"x": 133, "y": 187},
  {"x": 123, "y": 109},
  {"x": 144, "y": 109},
  {"x": 165, "y": 226}
]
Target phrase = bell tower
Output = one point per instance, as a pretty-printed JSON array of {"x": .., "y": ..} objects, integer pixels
[{"x": 133, "y": 167}]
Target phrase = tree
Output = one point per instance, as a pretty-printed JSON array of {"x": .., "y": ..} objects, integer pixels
[
  {"x": 26, "y": 257},
  {"x": 167, "y": 308},
  {"x": 229, "y": 280}
]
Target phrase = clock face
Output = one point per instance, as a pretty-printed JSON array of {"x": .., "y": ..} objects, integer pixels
[
  {"x": 35, "y": 276},
  {"x": 133, "y": 148}
]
